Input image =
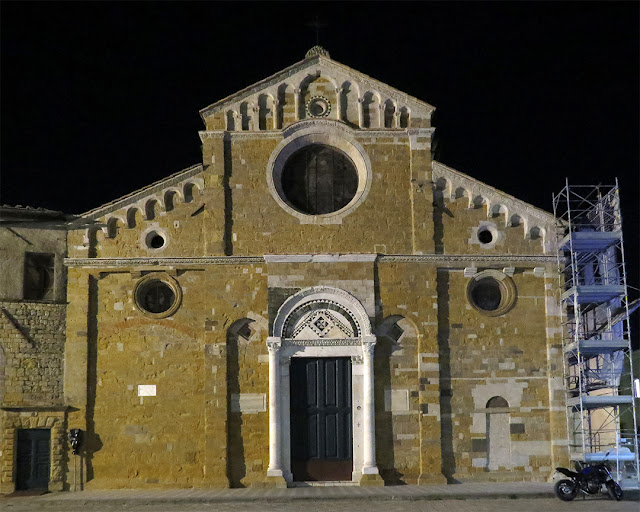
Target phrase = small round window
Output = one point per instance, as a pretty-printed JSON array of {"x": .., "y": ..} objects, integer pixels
[
  {"x": 491, "y": 293},
  {"x": 485, "y": 236},
  {"x": 154, "y": 240},
  {"x": 319, "y": 179},
  {"x": 157, "y": 296}
]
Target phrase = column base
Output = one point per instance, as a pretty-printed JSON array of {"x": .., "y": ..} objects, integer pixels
[
  {"x": 275, "y": 481},
  {"x": 371, "y": 479}
]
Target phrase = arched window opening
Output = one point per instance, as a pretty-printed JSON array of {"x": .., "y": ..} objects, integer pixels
[
  {"x": 389, "y": 114},
  {"x": 404, "y": 117}
]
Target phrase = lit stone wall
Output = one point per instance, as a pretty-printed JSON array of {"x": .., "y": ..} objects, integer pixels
[
  {"x": 436, "y": 362},
  {"x": 32, "y": 345},
  {"x": 503, "y": 356},
  {"x": 181, "y": 436}
]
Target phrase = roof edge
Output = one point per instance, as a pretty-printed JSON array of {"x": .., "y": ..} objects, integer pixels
[
  {"x": 531, "y": 209},
  {"x": 251, "y": 89},
  {"x": 137, "y": 194}
]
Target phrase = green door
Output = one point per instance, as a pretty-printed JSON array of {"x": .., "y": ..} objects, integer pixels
[
  {"x": 321, "y": 432},
  {"x": 33, "y": 458}
]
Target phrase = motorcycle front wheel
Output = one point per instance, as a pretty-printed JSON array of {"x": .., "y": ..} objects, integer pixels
[
  {"x": 615, "y": 490},
  {"x": 566, "y": 490}
]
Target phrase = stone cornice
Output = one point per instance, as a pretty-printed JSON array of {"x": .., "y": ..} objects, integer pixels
[
  {"x": 309, "y": 258},
  {"x": 219, "y": 134},
  {"x": 306, "y": 123},
  {"x": 133, "y": 197},
  {"x": 480, "y": 258},
  {"x": 318, "y": 258},
  {"x": 160, "y": 262},
  {"x": 494, "y": 195},
  {"x": 321, "y": 62}
]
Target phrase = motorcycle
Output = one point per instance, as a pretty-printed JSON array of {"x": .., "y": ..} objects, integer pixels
[{"x": 588, "y": 480}]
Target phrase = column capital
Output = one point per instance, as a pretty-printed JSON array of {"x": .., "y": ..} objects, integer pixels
[
  {"x": 274, "y": 343},
  {"x": 369, "y": 339}
]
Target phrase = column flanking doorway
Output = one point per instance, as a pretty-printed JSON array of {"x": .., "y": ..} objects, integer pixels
[
  {"x": 322, "y": 323},
  {"x": 321, "y": 419}
]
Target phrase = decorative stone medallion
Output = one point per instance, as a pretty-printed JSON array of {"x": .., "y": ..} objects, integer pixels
[{"x": 318, "y": 106}]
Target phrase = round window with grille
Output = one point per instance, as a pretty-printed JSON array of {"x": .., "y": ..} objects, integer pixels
[
  {"x": 318, "y": 179},
  {"x": 157, "y": 295},
  {"x": 491, "y": 292}
]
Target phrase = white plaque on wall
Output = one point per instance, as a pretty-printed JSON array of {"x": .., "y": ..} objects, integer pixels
[
  {"x": 249, "y": 403},
  {"x": 147, "y": 390},
  {"x": 396, "y": 400}
]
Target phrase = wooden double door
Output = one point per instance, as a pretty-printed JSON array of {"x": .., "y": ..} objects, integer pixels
[
  {"x": 321, "y": 419},
  {"x": 33, "y": 459}
]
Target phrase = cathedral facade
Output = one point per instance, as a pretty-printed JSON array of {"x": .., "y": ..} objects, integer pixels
[{"x": 317, "y": 300}]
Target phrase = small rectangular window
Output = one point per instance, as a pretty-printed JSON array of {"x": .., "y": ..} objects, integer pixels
[{"x": 38, "y": 276}]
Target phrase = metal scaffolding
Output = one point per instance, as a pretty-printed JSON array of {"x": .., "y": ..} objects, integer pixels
[{"x": 598, "y": 369}]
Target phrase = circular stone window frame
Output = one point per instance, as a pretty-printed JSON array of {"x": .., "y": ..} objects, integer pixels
[
  {"x": 491, "y": 228},
  {"x": 166, "y": 279},
  {"x": 508, "y": 292},
  {"x": 322, "y": 99},
  {"x": 145, "y": 238},
  {"x": 326, "y": 135}
]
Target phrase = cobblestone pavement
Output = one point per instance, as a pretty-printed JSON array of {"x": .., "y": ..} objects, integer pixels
[{"x": 352, "y": 505}]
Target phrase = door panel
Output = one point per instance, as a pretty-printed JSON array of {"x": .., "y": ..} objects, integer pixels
[
  {"x": 321, "y": 444},
  {"x": 33, "y": 459}
]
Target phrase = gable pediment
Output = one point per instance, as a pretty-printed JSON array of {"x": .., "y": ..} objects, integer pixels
[{"x": 340, "y": 93}]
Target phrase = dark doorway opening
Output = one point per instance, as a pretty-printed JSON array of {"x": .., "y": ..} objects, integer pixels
[
  {"x": 321, "y": 432},
  {"x": 34, "y": 458}
]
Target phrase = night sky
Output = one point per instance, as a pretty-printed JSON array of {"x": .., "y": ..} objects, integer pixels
[{"x": 100, "y": 99}]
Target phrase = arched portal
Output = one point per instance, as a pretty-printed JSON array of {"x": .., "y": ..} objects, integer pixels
[{"x": 326, "y": 324}]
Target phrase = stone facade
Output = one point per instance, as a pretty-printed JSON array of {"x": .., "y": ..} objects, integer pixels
[{"x": 448, "y": 393}]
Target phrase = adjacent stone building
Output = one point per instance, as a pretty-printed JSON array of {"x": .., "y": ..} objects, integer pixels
[
  {"x": 318, "y": 299},
  {"x": 33, "y": 246}
]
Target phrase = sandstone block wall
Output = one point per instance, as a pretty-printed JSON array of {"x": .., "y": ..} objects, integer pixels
[{"x": 32, "y": 339}]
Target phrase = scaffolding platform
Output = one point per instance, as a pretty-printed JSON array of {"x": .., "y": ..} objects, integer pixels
[
  {"x": 599, "y": 401},
  {"x": 595, "y": 347},
  {"x": 597, "y": 372},
  {"x": 589, "y": 240},
  {"x": 593, "y": 293}
]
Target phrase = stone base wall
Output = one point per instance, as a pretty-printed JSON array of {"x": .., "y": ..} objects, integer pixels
[{"x": 437, "y": 364}]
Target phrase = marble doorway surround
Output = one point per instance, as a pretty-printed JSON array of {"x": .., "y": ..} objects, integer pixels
[{"x": 321, "y": 321}]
